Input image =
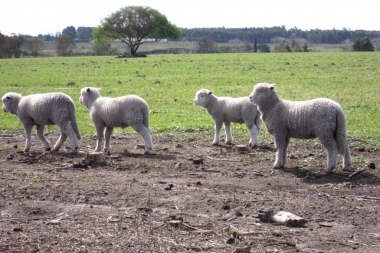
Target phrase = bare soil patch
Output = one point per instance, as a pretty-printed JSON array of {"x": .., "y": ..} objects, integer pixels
[{"x": 188, "y": 196}]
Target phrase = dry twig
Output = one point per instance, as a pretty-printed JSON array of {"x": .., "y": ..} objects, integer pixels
[{"x": 359, "y": 171}]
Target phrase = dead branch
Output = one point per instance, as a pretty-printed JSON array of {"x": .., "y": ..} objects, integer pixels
[
  {"x": 221, "y": 159},
  {"x": 6, "y": 178},
  {"x": 359, "y": 171},
  {"x": 242, "y": 250},
  {"x": 43, "y": 154},
  {"x": 60, "y": 168},
  {"x": 261, "y": 200},
  {"x": 209, "y": 170},
  {"x": 371, "y": 198}
]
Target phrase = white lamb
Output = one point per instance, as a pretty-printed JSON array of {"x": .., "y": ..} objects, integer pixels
[
  {"x": 105, "y": 112},
  {"x": 226, "y": 110},
  {"x": 44, "y": 109},
  {"x": 320, "y": 118}
]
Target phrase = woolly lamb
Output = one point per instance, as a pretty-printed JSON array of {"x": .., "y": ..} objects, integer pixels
[
  {"x": 109, "y": 113},
  {"x": 226, "y": 110},
  {"x": 44, "y": 109},
  {"x": 320, "y": 118}
]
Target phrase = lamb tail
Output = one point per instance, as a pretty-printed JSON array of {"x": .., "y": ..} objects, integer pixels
[
  {"x": 340, "y": 133},
  {"x": 74, "y": 124}
]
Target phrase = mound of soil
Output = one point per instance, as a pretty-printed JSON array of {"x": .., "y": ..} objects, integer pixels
[{"x": 187, "y": 196}]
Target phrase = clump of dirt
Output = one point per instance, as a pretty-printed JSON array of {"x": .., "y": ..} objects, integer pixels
[{"x": 187, "y": 196}]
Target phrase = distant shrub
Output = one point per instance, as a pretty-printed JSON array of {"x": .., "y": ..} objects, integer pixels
[
  {"x": 263, "y": 48},
  {"x": 363, "y": 44},
  {"x": 224, "y": 49}
]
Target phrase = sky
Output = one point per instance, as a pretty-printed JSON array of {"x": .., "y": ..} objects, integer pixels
[{"x": 49, "y": 17}]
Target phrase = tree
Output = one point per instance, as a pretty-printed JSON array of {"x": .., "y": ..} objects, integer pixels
[
  {"x": 64, "y": 45},
  {"x": 363, "y": 44},
  {"x": 305, "y": 48},
  {"x": 101, "y": 44},
  {"x": 84, "y": 33},
  {"x": 264, "y": 48},
  {"x": 247, "y": 47},
  {"x": 205, "y": 45},
  {"x": 34, "y": 46},
  {"x": 70, "y": 31},
  {"x": 255, "y": 46},
  {"x": 2, "y": 45},
  {"x": 136, "y": 25},
  {"x": 13, "y": 45},
  {"x": 287, "y": 48}
]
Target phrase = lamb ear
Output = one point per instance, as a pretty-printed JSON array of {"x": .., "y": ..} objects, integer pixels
[
  {"x": 209, "y": 93},
  {"x": 88, "y": 90},
  {"x": 271, "y": 87},
  {"x": 8, "y": 97}
]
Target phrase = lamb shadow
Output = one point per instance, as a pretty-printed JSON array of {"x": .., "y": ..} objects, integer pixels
[{"x": 337, "y": 176}]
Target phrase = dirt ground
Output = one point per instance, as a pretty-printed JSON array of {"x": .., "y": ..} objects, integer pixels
[{"x": 187, "y": 196}]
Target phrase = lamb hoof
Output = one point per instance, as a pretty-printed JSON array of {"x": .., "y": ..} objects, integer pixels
[
  {"x": 329, "y": 170},
  {"x": 253, "y": 146}
]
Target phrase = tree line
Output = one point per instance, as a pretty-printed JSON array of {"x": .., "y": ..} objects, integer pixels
[
  {"x": 224, "y": 35},
  {"x": 136, "y": 25},
  {"x": 265, "y": 35}
]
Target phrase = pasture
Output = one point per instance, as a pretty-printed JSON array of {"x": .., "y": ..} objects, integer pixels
[
  {"x": 52, "y": 202},
  {"x": 168, "y": 83}
]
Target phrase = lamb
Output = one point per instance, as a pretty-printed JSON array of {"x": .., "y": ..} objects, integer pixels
[
  {"x": 44, "y": 109},
  {"x": 226, "y": 110},
  {"x": 320, "y": 118},
  {"x": 105, "y": 112}
]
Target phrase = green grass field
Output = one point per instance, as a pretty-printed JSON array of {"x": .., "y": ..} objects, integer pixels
[{"x": 169, "y": 82}]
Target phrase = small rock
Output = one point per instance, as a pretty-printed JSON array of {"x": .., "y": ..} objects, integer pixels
[
  {"x": 53, "y": 222},
  {"x": 371, "y": 166},
  {"x": 226, "y": 207},
  {"x": 239, "y": 214},
  {"x": 230, "y": 240},
  {"x": 168, "y": 188},
  {"x": 10, "y": 157},
  {"x": 197, "y": 160},
  {"x": 235, "y": 235}
]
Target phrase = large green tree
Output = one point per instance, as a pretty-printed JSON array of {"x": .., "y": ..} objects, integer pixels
[{"x": 136, "y": 25}]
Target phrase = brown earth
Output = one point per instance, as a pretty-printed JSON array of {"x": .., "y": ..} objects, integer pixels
[{"x": 188, "y": 196}]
